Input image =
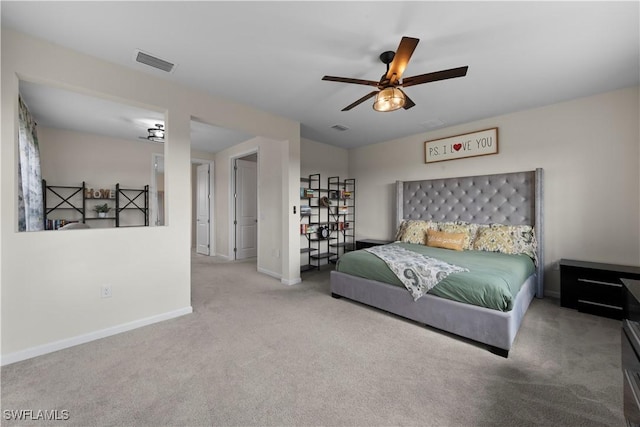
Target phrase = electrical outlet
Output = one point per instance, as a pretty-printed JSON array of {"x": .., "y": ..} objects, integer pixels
[
  {"x": 105, "y": 291},
  {"x": 556, "y": 266}
]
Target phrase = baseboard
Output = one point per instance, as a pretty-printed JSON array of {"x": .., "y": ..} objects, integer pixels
[
  {"x": 552, "y": 294},
  {"x": 223, "y": 256},
  {"x": 269, "y": 273},
  {"x": 290, "y": 282},
  {"x": 91, "y": 336}
]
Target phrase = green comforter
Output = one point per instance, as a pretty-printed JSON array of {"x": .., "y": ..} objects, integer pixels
[{"x": 493, "y": 279}]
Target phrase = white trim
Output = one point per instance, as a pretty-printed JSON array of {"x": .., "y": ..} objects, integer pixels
[
  {"x": 291, "y": 282},
  {"x": 275, "y": 275},
  {"x": 91, "y": 336},
  {"x": 269, "y": 273},
  {"x": 552, "y": 294}
]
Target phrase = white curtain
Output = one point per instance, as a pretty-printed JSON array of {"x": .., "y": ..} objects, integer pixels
[{"x": 30, "y": 208}]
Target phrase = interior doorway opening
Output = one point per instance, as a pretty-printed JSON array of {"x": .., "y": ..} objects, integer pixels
[
  {"x": 244, "y": 191},
  {"x": 202, "y": 207}
]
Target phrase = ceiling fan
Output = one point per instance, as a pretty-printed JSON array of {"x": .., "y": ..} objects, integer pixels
[{"x": 389, "y": 96}]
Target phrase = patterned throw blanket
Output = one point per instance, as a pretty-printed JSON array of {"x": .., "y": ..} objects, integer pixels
[{"x": 419, "y": 273}]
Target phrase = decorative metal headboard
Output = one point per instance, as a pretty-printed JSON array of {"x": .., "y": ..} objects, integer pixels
[{"x": 508, "y": 198}]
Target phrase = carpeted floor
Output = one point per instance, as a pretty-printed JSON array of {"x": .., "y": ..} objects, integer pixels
[{"x": 258, "y": 353}]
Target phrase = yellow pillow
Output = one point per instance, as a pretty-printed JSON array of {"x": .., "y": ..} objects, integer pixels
[
  {"x": 468, "y": 229},
  {"x": 415, "y": 231},
  {"x": 494, "y": 239},
  {"x": 441, "y": 239}
]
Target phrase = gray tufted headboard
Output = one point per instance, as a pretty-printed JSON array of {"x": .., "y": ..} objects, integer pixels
[{"x": 508, "y": 198}]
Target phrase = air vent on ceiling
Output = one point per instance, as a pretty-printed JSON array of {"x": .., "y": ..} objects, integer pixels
[
  {"x": 152, "y": 61},
  {"x": 432, "y": 124},
  {"x": 341, "y": 128}
]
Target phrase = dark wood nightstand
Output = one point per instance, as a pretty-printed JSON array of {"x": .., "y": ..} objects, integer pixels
[
  {"x": 368, "y": 243},
  {"x": 629, "y": 352},
  {"x": 594, "y": 287}
]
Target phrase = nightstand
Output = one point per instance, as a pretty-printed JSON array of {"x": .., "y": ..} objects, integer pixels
[
  {"x": 368, "y": 243},
  {"x": 594, "y": 287}
]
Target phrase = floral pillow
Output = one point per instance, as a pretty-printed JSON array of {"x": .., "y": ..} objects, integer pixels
[
  {"x": 414, "y": 231},
  {"x": 508, "y": 239},
  {"x": 467, "y": 228},
  {"x": 494, "y": 239}
]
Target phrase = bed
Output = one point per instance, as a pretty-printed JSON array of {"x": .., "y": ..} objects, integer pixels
[{"x": 512, "y": 199}]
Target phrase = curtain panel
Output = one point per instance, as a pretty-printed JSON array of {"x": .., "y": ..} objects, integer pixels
[{"x": 30, "y": 206}]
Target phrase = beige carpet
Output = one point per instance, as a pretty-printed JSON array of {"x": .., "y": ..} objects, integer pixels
[{"x": 258, "y": 353}]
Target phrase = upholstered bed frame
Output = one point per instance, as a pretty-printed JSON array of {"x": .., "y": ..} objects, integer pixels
[{"x": 510, "y": 198}]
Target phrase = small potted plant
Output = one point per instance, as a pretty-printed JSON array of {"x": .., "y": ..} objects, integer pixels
[{"x": 102, "y": 210}]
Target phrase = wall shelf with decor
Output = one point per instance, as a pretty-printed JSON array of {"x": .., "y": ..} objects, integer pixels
[
  {"x": 313, "y": 225},
  {"x": 341, "y": 211},
  {"x": 133, "y": 200},
  {"x": 68, "y": 204}
]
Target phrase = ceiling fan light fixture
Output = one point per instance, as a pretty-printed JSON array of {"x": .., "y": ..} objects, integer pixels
[
  {"x": 156, "y": 134},
  {"x": 389, "y": 99}
]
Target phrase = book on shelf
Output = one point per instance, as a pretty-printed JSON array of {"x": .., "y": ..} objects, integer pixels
[
  {"x": 56, "y": 224},
  {"x": 306, "y": 193},
  {"x": 305, "y": 210}
]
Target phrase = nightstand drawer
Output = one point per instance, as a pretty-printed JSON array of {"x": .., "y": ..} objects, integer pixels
[
  {"x": 600, "y": 309},
  {"x": 601, "y": 292}
]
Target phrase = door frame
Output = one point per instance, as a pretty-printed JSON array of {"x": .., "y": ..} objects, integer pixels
[
  {"x": 232, "y": 202},
  {"x": 212, "y": 201}
]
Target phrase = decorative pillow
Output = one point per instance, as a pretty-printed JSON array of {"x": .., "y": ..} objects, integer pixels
[
  {"x": 401, "y": 228},
  {"x": 414, "y": 231},
  {"x": 494, "y": 239},
  {"x": 442, "y": 239},
  {"x": 468, "y": 229},
  {"x": 508, "y": 239},
  {"x": 524, "y": 241}
]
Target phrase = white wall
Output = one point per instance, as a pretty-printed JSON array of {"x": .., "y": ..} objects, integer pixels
[
  {"x": 589, "y": 149},
  {"x": 270, "y": 153},
  {"x": 69, "y": 157},
  {"x": 327, "y": 160},
  {"x": 58, "y": 302}
]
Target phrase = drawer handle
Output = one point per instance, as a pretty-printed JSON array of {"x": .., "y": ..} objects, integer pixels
[
  {"x": 617, "y": 285},
  {"x": 601, "y": 305}
]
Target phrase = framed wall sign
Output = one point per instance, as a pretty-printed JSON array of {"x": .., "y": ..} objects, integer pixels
[{"x": 480, "y": 143}]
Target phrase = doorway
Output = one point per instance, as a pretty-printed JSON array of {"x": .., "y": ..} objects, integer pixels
[
  {"x": 245, "y": 206},
  {"x": 202, "y": 207}
]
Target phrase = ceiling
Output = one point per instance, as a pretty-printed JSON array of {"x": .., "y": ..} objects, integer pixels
[{"x": 272, "y": 55}]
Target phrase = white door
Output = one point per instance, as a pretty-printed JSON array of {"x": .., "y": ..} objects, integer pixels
[
  {"x": 246, "y": 209},
  {"x": 202, "y": 210}
]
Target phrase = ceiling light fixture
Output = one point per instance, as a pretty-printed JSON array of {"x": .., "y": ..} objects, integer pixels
[
  {"x": 389, "y": 99},
  {"x": 156, "y": 134}
]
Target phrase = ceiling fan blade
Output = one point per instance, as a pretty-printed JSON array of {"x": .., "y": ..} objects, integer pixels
[
  {"x": 360, "y": 101},
  {"x": 435, "y": 76},
  {"x": 408, "y": 102},
  {"x": 401, "y": 59},
  {"x": 349, "y": 80}
]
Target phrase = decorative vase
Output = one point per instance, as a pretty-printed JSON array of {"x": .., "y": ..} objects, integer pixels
[{"x": 102, "y": 214}]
